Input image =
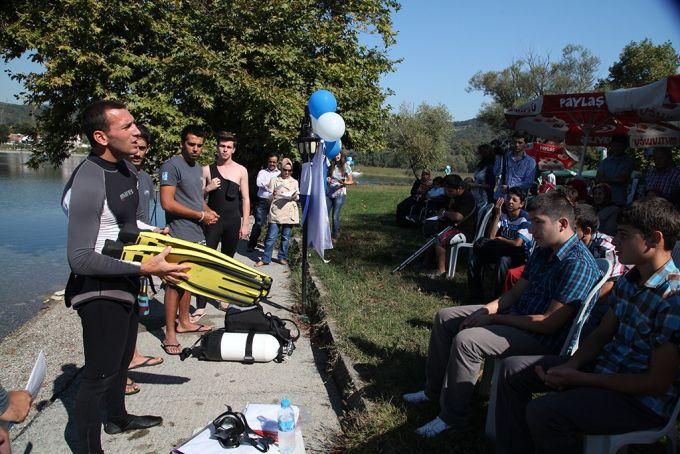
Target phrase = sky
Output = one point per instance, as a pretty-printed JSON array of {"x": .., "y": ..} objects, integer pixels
[{"x": 443, "y": 42}]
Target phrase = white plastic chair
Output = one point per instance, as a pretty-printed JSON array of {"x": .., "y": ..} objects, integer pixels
[
  {"x": 611, "y": 444},
  {"x": 455, "y": 248},
  {"x": 569, "y": 347}
]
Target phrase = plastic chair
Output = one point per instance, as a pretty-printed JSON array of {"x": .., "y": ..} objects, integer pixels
[
  {"x": 569, "y": 347},
  {"x": 611, "y": 444},
  {"x": 455, "y": 248}
]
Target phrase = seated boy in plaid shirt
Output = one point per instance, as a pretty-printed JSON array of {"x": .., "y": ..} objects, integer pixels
[{"x": 624, "y": 377}]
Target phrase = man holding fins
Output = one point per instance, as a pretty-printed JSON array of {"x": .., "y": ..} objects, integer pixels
[{"x": 101, "y": 198}]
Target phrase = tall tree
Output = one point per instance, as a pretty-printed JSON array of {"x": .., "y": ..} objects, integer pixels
[
  {"x": 531, "y": 76},
  {"x": 641, "y": 63},
  {"x": 243, "y": 65},
  {"x": 421, "y": 136}
]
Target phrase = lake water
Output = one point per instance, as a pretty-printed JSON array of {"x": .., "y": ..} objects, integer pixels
[
  {"x": 33, "y": 235},
  {"x": 32, "y": 238}
]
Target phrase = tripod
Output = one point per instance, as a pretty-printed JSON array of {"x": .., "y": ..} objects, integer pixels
[{"x": 422, "y": 249}]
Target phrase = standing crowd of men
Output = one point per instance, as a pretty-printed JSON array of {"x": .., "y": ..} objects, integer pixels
[{"x": 108, "y": 192}]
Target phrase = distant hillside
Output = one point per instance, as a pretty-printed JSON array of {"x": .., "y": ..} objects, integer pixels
[
  {"x": 472, "y": 130},
  {"x": 14, "y": 114}
]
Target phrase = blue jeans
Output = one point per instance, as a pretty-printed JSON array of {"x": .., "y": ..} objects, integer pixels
[
  {"x": 261, "y": 213},
  {"x": 272, "y": 234},
  {"x": 335, "y": 204}
]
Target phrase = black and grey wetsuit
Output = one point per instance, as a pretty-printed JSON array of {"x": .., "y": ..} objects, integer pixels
[
  {"x": 225, "y": 201},
  {"x": 99, "y": 199}
]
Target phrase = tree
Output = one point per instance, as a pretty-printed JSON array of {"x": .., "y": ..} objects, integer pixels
[
  {"x": 4, "y": 132},
  {"x": 531, "y": 76},
  {"x": 421, "y": 136},
  {"x": 242, "y": 65},
  {"x": 641, "y": 63}
]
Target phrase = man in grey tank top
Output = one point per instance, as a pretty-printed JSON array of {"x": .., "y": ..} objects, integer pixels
[{"x": 181, "y": 179}]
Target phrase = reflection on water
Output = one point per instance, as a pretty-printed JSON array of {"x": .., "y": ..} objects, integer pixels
[{"x": 33, "y": 240}]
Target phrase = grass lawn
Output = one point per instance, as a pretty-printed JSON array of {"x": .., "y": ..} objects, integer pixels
[{"x": 385, "y": 322}]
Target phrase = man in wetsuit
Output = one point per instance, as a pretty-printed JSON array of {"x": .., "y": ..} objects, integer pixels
[
  {"x": 264, "y": 197},
  {"x": 185, "y": 213},
  {"x": 100, "y": 198}
]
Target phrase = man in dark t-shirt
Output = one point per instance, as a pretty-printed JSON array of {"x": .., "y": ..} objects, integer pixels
[{"x": 461, "y": 214}]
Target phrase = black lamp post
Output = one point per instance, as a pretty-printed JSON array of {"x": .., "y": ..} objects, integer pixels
[{"x": 307, "y": 143}]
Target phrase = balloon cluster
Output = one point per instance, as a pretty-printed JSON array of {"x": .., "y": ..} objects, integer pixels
[{"x": 325, "y": 122}]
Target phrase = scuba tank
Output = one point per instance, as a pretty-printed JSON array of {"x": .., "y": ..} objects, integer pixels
[{"x": 248, "y": 348}]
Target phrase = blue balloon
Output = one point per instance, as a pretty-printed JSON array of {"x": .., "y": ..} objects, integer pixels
[
  {"x": 333, "y": 149},
  {"x": 321, "y": 102}
]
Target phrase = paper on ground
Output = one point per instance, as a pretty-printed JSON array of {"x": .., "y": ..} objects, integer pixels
[
  {"x": 205, "y": 443},
  {"x": 263, "y": 418}
]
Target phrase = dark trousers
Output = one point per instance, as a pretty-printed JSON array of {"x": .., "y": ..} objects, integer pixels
[
  {"x": 489, "y": 252},
  {"x": 109, "y": 337},
  {"x": 261, "y": 213},
  {"x": 556, "y": 422}
]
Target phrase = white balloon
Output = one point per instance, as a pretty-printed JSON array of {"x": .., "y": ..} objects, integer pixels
[{"x": 330, "y": 126}]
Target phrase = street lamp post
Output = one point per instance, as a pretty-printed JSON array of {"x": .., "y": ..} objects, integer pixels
[{"x": 307, "y": 143}]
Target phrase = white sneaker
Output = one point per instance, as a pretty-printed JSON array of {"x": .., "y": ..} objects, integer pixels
[
  {"x": 432, "y": 428},
  {"x": 416, "y": 398}
]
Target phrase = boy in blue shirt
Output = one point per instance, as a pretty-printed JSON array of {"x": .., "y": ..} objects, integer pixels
[
  {"x": 507, "y": 243},
  {"x": 624, "y": 377}
]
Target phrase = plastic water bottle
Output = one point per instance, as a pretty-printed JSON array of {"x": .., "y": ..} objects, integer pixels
[
  {"x": 286, "y": 419},
  {"x": 143, "y": 296}
]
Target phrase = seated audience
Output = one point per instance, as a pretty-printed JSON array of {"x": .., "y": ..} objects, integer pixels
[
  {"x": 624, "y": 377},
  {"x": 664, "y": 178},
  {"x": 602, "y": 247},
  {"x": 546, "y": 183},
  {"x": 434, "y": 200},
  {"x": 460, "y": 214},
  {"x": 532, "y": 318},
  {"x": 419, "y": 188},
  {"x": 606, "y": 209},
  {"x": 577, "y": 191},
  {"x": 484, "y": 180},
  {"x": 506, "y": 244}
]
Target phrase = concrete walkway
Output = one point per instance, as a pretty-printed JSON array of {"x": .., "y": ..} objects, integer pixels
[{"x": 188, "y": 395}]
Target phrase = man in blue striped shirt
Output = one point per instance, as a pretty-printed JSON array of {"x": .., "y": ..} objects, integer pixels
[
  {"x": 532, "y": 318},
  {"x": 624, "y": 377}
]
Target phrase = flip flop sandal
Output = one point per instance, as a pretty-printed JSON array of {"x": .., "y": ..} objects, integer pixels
[
  {"x": 130, "y": 385},
  {"x": 147, "y": 362},
  {"x": 194, "y": 318},
  {"x": 197, "y": 330},
  {"x": 166, "y": 346}
]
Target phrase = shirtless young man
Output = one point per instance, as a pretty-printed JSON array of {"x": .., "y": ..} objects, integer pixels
[{"x": 226, "y": 183}]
